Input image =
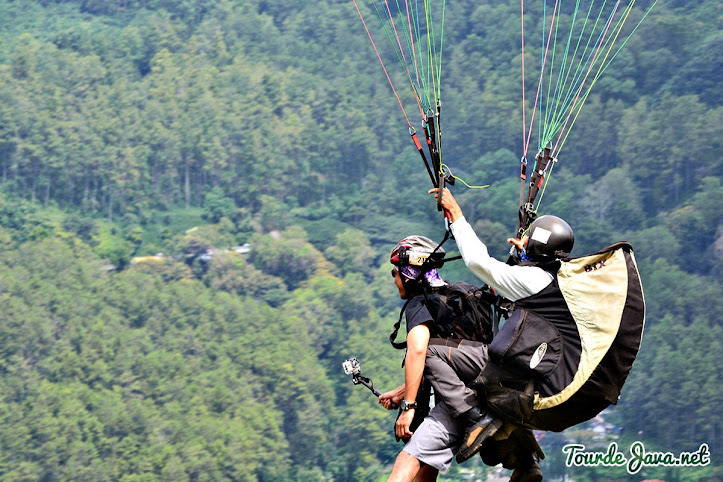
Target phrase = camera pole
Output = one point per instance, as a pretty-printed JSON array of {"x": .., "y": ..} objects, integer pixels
[{"x": 352, "y": 367}]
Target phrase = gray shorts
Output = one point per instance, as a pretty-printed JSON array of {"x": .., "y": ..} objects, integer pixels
[{"x": 436, "y": 440}]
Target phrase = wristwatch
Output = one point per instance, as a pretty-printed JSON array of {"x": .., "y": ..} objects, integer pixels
[{"x": 405, "y": 405}]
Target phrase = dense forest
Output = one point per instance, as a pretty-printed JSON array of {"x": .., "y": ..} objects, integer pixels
[{"x": 198, "y": 198}]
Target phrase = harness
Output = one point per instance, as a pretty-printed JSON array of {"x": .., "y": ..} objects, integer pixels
[{"x": 560, "y": 359}]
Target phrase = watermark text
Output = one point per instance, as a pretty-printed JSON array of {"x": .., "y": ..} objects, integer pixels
[{"x": 577, "y": 456}]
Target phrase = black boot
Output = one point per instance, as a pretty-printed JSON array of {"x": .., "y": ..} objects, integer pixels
[
  {"x": 527, "y": 470},
  {"x": 480, "y": 426}
]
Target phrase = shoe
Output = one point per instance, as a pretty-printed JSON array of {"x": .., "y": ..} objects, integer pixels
[
  {"x": 480, "y": 427},
  {"x": 498, "y": 452},
  {"x": 527, "y": 471}
]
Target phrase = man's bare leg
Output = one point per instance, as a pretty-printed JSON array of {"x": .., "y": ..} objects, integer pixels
[
  {"x": 427, "y": 474},
  {"x": 407, "y": 468}
]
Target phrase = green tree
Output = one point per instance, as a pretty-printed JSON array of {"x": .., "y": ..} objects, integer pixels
[
  {"x": 115, "y": 249},
  {"x": 217, "y": 206},
  {"x": 352, "y": 252},
  {"x": 288, "y": 256}
]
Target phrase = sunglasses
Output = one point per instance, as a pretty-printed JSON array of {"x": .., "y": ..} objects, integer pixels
[{"x": 394, "y": 272}]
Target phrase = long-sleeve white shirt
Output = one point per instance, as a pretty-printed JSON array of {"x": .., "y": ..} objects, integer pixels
[{"x": 512, "y": 282}]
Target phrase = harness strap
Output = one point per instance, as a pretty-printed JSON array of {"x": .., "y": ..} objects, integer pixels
[
  {"x": 418, "y": 145},
  {"x": 527, "y": 210},
  {"x": 450, "y": 342},
  {"x": 523, "y": 177},
  {"x": 393, "y": 336}
]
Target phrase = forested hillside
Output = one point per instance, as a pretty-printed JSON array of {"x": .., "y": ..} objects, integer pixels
[{"x": 142, "y": 140}]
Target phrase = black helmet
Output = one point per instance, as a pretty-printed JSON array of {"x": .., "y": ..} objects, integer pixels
[
  {"x": 550, "y": 237},
  {"x": 415, "y": 251}
]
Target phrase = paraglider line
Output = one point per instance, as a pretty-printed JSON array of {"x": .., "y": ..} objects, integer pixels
[{"x": 391, "y": 84}]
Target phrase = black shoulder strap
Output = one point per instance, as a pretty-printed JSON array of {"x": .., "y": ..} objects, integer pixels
[
  {"x": 401, "y": 345},
  {"x": 551, "y": 265}
]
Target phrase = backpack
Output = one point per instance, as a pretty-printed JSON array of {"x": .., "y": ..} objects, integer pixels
[{"x": 463, "y": 311}]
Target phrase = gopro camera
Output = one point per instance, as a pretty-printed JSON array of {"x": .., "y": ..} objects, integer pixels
[{"x": 351, "y": 367}]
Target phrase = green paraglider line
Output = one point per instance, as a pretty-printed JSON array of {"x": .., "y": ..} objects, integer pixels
[{"x": 564, "y": 101}]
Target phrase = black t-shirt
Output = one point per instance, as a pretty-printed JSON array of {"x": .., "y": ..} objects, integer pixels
[{"x": 418, "y": 313}]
